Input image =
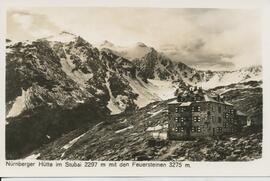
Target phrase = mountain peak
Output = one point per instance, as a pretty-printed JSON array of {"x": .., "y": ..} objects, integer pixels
[
  {"x": 66, "y": 33},
  {"x": 106, "y": 43},
  {"x": 140, "y": 44},
  {"x": 63, "y": 36}
]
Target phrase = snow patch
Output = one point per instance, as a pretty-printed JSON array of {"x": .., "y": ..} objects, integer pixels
[
  {"x": 156, "y": 128},
  {"x": 125, "y": 129},
  {"x": 62, "y": 37},
  {"x": 72, "y": 142},
  {"x": 111, "y": 105},
  {"x": 163, "y": 88},
  {"x": 154, "y": 90},
  {"x": 77, "y": 76},
  {"x": 154, "y": 113},
  {"x": 158, "y": 135},
  {"x": 227, "y": 78},
  {"x": 18, "y": 105},
  {"x": 33, "y": 156}
]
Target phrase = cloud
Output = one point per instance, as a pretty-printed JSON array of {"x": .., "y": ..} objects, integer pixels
[
  {"x": 228, "y": 37},
  {"x": 194, "y": 46},
  {"x": 197, "y": 54},
  {"x": 23, "y": 25},
  {"x": 204, "y": 60},
  {"x": 24, "y": 20}
]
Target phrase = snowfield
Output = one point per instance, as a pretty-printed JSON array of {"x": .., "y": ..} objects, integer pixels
[
  {"x": 154, "y": 90},
  {"x": 239, "y": 76}
]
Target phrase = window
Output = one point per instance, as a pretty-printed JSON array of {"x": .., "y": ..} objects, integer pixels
[
  {"x": 182, "y": 129},
  {"x": 196, "y": 118},
  {"x": 208, "y": 113},
  {"x": 182, "y": 99},
  {"x": 219, "y": 129},
  {"x": 176, "y": 109},
  {"x": 196, "y": 108},
  {"x": 219, "y": 109},
  {"x": 225, "y": 125},
  {"x": 183, "y": 119},
  {"x": 196, "y": 129},
  {"x": 219, "y": 120},
  {"x": 183, "y": 109}
]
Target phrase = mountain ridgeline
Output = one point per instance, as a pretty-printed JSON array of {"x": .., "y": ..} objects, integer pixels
[{"x": 60, "y": 83}]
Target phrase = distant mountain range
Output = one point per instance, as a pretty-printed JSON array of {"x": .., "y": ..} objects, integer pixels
[{"x": 57, "y": 83}]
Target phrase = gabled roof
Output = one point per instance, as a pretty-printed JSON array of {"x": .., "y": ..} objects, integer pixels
[
  {"x": 189, "y": 97},
  {"x": 208, "y": 98},
  {"x": 186, "y": 104},
  {"x": 228, "y": 103},
  {"x": 174, "y": 102}
]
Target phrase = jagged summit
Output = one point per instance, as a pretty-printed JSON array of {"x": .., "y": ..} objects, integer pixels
[
  {"x": 63, "y": 36},
  {"x": 66, "y": 33},
  {"x": 106, "y": 43},
  {"x": 140, "y": 44}
]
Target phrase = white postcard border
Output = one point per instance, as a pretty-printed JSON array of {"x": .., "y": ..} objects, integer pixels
[{"x": 253, "y": 168}]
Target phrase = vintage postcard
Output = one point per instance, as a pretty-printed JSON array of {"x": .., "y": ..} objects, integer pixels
[{"x": 126, "y": 89}]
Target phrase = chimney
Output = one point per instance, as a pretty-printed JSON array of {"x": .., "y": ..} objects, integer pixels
[{"x": 218, "y": 98}]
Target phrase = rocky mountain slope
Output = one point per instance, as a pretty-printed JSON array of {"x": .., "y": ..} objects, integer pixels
[
  {"x": 57, "y": 84},
  {"x": 153, "y": 64},
  {"x": 142, "y": 135},
  {"x": 246, "y": 97}
]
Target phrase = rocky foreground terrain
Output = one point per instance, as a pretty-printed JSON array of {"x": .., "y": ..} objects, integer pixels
[{"x": 143, "y": 136}]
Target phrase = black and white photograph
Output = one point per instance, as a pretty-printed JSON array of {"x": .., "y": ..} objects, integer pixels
[{"x": 133, "y": 84}]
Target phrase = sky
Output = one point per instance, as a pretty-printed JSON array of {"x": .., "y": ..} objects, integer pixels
[{"x": 214, "y": 39}]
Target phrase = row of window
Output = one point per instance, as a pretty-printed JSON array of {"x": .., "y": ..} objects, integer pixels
[
  {"x": 219, "y": 129},
  {"x": 184, "y": 109},
  {"x": 198, "y": 109},
  {"x": 184, "y": 119},
  {"x": 197, "y": 129},
  {"x": 179, "y": 129},
  {"x": 195, "y": 98},
  {"x": 193, "y": 129},
  {"x": 198, "y": 119}
]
